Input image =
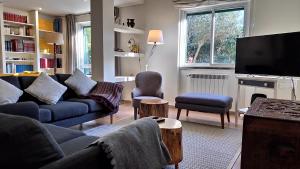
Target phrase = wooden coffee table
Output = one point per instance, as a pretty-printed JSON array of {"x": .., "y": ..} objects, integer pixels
[
  {"x": 154, "y": 107},
  {"x": 171, "y": 131}
]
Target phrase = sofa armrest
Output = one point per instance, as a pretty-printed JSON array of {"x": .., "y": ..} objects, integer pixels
[
  {"x": 28, "y": 109},
  {"x": 91, "y": 158},
  {"x": 136, "y": 92}
]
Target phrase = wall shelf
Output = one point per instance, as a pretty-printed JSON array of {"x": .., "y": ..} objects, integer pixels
[
  {"x": 125, "y": 78},
  {"x": 20, "y": 61},
  {"x": 129, "y": 54},
  {"x": 20, "y": 36},
  {"x": 17, "y": 23},
  {"x": 128, "y": 30},
  {"x": 21, "y": 53}
]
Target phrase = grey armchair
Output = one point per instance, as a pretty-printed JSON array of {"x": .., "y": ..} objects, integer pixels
[{"x": 148, "y": 86}]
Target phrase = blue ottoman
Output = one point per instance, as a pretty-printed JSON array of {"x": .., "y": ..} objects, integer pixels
[{"x": 204, "y": 103}]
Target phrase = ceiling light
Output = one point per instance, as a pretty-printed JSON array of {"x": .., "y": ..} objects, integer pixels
[{"x": 40, "y": 9}]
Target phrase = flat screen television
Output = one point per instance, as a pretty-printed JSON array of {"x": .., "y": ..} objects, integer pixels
[{"x": 277, "y": 54}]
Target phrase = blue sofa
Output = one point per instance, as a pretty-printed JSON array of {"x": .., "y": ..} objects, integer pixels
[{"x": 69, "y": 111}]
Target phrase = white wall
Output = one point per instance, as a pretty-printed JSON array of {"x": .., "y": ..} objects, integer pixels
[
  {"x": 267, "y": 17},
  {"x": 157, "y": 14},
  {"x": 275, "y": 16}
]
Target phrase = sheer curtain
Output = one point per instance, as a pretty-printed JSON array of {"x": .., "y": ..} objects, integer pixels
[{"x": 71, "y": 43}]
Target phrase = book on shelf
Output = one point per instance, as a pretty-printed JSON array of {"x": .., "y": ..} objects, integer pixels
[
  {"x": 57, "y": 25},
  {"x": 16, "y": 68},
  {"x": 49, "y": 63},
  {"x": 19, "y": 45},
  {"x": 14, "y": 17}
]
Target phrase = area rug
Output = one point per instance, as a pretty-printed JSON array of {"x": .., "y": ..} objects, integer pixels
[{"x": 204, "y": 147}]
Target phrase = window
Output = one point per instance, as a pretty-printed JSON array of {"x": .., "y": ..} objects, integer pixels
[
  {"x": 87, "y": 53},
  {"x": 210, "y": 36},
  {"x": 83, "y": 47}
]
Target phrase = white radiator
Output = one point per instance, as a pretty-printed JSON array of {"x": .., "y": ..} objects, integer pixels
[{"x": 209, "y": 83}]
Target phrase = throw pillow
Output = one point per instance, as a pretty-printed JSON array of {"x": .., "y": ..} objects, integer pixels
[
  {"x": 25, "y": 143},
  {"x": 46, "y": 89},
  {"x": 9, "y": 93},
  {"x": 80, "y": 83}
]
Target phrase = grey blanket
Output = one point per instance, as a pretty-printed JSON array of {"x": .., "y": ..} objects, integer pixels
[{"x": 136, "y": 146}]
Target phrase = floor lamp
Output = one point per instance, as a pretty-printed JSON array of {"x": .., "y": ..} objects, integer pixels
[
  {"x": 54, "y": 38},
  {"x": 155, "y": 37}
]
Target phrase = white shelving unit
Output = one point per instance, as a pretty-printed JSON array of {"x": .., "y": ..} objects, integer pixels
[
  {"x": 127, "y": 30},
  {"x": 17, "y": 30}
]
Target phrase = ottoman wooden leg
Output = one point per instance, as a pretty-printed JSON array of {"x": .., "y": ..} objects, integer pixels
[
  {"x": 178, "y": 114},
  {"x": 187, "y": 113},
  {"x": 135, "y": 113},
  {"x": 228, "y": 117},
  {"x": 222, "y": 120}
]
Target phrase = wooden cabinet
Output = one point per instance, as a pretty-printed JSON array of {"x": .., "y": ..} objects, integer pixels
[{"x": 271, "y": 135}]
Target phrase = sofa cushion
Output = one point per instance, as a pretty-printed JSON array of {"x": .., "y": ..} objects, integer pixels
[
  {"x": 9, "y": 93},
  {"x": 45, "y": 115},
  {"x": 80, "y": 83},
  {"x": 12, "y": 80},
  {"x": 62, "y": 134},
  {"x": 77, "y": 144},
  {"x": 93, "y": 105},
  {"x": 204, "y": 99},
  {"x": 45, "y": 89},
  {"x": 61, "y": 78},
  {"x": 25, "y": 143},
  {"x": 25, "y": 82},
  {"x": 64, "y": 109}
]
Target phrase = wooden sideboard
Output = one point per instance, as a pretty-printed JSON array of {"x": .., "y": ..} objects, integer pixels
[{"x": 271, "y": 135}]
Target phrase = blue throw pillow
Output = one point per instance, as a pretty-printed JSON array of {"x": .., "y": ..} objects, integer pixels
[{"x": 26, "y": 144}]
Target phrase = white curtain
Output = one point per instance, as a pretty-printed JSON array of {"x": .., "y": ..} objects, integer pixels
[{"x": 79, "y": 46}]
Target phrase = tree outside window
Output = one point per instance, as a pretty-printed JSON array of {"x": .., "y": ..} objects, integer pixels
[{"x": 211, "y": 36}]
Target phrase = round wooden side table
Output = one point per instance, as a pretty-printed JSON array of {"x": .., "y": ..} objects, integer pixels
[
  {"x": 171, "y": 132},
  {"x": 154, "y": 107}
]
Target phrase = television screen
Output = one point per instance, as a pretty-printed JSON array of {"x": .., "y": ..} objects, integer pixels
[{"x": 269, "y": 55}]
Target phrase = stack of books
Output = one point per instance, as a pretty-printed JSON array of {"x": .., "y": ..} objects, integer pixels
[
  {"x": 15, "y": 68},
  {"x": 18, "y": 45},
  {"x": 49, "y": 63},
  {"x": 14, "y": 17}
]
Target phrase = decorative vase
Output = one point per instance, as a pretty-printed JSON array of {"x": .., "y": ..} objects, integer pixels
[{"x": 130, "y": 23}]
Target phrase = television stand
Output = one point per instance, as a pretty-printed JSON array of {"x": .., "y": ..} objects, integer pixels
[{"x": 254, "y": 81}]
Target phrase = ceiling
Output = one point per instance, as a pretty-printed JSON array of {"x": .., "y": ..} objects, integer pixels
[{"x": 61, "y": 7}]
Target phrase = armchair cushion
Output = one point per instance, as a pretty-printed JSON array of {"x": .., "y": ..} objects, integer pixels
[
  {"x": 149, "y": 83},
  {"x": 137, "y": 100}
]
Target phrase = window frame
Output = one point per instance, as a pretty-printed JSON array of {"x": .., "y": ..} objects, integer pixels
[
  {"x": 80, "y": 46},
  {"x": 211, "y": 9}
]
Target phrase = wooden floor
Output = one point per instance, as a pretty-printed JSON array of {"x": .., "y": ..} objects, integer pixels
[{"x": 126, "y": 111}]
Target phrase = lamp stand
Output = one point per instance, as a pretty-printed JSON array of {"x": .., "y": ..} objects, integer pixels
[
  {"x": 151, "y": 53},
  {"x": 55, "y": 59}
]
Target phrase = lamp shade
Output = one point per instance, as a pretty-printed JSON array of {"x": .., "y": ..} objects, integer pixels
[
  {"x": 155, "y": 37},
  {"x": 54, "y": 37}
]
